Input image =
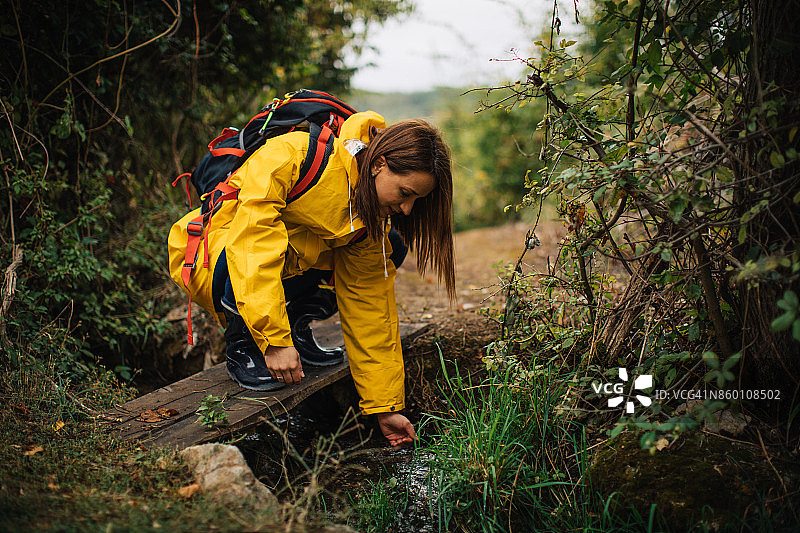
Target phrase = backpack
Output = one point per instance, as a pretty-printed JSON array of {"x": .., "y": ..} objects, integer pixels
[{"x": 316, "y": 111}]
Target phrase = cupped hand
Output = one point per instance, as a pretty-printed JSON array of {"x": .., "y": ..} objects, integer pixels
[
  {"x": 284, "y": 364},
  {"x": 396, "y": 428}
]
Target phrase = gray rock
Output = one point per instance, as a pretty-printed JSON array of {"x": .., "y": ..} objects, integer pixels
[
  {"x": 223, "y": 475},
  {"x": 722, "y": 421}
]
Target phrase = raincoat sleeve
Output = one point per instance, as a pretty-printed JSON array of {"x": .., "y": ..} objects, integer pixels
[
  {"x": 257, "y": 239},
  {"x": 365, "y": 295}
]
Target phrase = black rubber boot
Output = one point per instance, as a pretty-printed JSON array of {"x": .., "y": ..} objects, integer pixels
[
  {"x": 244, "y": 360},
  {"x": 318, "y": 305}
]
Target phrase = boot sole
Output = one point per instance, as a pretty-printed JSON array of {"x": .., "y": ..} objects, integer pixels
[
  {"x": 265, "y": 387},
  {"x": 314, "y": 363}
]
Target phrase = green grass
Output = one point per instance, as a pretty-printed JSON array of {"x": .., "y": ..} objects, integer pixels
[
  {"x": 376, "y": 508},
  {"x": 62, "y": 472},
  {"x": 500, "y": 456},
  {"x": 506, "y": 457}
]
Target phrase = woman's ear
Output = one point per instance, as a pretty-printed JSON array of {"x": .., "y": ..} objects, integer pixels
[
  {"x": 373, "y": 131},
  {"x": 377, "y": 165}
]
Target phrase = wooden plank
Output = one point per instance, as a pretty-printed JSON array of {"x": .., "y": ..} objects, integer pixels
[{"x": 166, "y": 416}]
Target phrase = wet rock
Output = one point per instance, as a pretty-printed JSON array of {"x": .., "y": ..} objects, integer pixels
[
  {"x": 223, "y": 475},
  {"x": 723, "y": 421}
]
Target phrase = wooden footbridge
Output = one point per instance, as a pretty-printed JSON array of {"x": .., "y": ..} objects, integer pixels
[{"x": 167, "y": 416}]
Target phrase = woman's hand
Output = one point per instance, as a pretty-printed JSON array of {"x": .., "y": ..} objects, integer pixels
[
  {"x": 284, "y": 364},
  {"x": 396, "y": 428}
]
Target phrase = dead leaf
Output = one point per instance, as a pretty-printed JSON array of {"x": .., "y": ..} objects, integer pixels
[
  {"x": 189, "y": 490},
  {"x": 32, "y": 450},
  {"x": 661, "y": 443},
  {"x": 148, "y": 415},
  {"x": 53, "y": 486},
  {"x": 58, "y": 425}
]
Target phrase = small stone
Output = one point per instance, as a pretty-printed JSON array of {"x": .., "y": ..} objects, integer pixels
[
  {"x": 727, "y": 422},
  {"x": 223, "y": 475}
]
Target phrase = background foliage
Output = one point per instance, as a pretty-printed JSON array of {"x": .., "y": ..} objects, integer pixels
[
  {"x": 102, "y": 103},
  {"x": 670, "y": 148}
]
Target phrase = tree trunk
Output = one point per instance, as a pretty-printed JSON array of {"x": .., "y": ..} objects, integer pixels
[{"x": 771, "y": 360}]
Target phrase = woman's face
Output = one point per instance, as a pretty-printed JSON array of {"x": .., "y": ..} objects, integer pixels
[{"x": 397, "y": 192}]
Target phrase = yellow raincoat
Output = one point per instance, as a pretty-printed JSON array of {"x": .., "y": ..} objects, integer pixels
[{"x": 266, "y": 239}]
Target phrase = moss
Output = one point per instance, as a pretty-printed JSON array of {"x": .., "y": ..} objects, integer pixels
[{"x": 699, "y": 479}]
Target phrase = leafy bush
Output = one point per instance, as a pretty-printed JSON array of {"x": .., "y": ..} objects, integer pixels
[{"x": 99, "y": 120}]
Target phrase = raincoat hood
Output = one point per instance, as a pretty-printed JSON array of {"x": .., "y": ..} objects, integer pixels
[{"x": 354, "y": 136}]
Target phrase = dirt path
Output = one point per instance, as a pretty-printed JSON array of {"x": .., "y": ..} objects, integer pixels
[
  {"x": 460, "y": 332},
  {"x": 478, "y": 252}
]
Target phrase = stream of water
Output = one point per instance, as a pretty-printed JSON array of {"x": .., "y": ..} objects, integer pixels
[{"x": 366, "y": 463}]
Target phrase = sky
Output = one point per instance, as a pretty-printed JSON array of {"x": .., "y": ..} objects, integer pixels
[{"x": 449, "y": 43}]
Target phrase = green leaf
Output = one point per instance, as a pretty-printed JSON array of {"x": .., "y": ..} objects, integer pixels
[
  {"x": 677, "y": 205},
  {"x": 724, "y": 174},
  {"x": 791, "y": 299},
  {"x": 647, "y": 439},
  {"x": 670, "y": 377},
  {"x": 694, "y": 331},
  {"x": 599, "y": 193},
  {"x": 777, "y": 160},
  {"x": 616, "y": 430},
  {"x": 666, "y": 255},
  {"x": 711, "y": 360},
  {"x": 796, "y": 330},
  {"x": 653, "y": 54},
  {"x": 732, "y": 360},
  {"x": 742, "y": 234},
  {"x": 784, "y": 321}
]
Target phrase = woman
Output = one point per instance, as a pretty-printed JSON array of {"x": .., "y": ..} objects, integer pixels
[{"x": 262, "y": 243}]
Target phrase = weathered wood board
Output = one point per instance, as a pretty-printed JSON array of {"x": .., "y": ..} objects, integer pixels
[{"x": 166, "y": 417}]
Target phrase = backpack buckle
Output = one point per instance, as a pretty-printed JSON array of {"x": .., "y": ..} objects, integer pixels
[{"x": 192, "y": 228}]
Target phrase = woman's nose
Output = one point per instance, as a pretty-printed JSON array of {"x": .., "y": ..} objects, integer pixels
[{"x": 406, "y": 207}]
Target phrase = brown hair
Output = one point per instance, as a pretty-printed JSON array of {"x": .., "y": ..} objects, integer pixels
[{"x": 413, "y": 146}]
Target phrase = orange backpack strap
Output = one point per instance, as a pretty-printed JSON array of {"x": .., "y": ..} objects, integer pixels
[
  {"x": 227, "y": 133},
  {"x": 186, "y": 175},
  {"x": 314, "y": 164},
  {"x": 196, "y": 231}
]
